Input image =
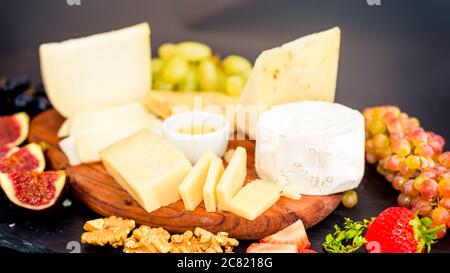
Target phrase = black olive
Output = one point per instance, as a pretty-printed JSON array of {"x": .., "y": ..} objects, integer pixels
[{"x": 23, "y": 100}]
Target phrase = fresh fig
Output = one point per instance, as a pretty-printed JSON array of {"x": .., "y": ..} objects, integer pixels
[
  {"x": 29, "y": 158},
  {"x": 6, "y": 151},
  {"x": 33, "y": 190},
  {"x": 14, "y": 129}
]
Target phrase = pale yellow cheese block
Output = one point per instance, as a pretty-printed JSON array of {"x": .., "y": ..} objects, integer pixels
[
  {"x": 303, "y": 69},
  {"x": 215, "y": 172},
  {"x": 149, "y": 167},
  {"x": 254, "y": 198},
  {"x": 232, "y": 179},
  {"x": 191, "y": 189}
]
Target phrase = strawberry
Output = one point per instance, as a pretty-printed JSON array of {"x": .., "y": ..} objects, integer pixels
[
  {"x": 271, "y": 248},
  {"x": 399, "y": 230},
  {"x": 294, "y": 234}
]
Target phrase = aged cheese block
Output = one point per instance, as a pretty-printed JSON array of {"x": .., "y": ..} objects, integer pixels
[
  {"x": 311, "y": 147},
  {"x": 303, "y": 69},
  {"x": 191, "y": 189},
  {"x": 215, "y": 172},
  {"x": 255, "y": 198},
  {"x": 97, "y": 71},
  {"x": 149, "y": 167},
  {"x": 232, "y": 179}
]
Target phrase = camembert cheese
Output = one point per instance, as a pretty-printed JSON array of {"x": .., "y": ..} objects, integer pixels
[
  {"x": 232, "y": 179},
  {"x": 304, "y": 69},
  {"x": 97, "y": 71},
  {"x": 254, "y": 198},
  {"x": 191, "y": 189},
  {"x": 149, "y": 167},
  {"x": 215, "y": 172},
  {"x": 311, "y": 147}
]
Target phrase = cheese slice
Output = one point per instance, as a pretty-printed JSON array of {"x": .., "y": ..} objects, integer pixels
[
  {"x": 68, "y": 146},
  {"x": 215, "y": 172},
  {"x": 191, "y": 189},
  {"x": 232, "y": 179},
  {"x": 291, "y": 194},
  {"x": 304, "y": 69},
  {"x": 254, "y": 198},
  {"x": 64, "y": 130},
  {"x": 97, "y": 71},
  {"x": 95, "y": 130},
  {"x": 149, "y": 167},
  {"x": 311, "y": 147}
]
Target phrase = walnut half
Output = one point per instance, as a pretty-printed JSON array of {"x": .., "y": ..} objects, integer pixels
[{"x": 113, "y": 230}]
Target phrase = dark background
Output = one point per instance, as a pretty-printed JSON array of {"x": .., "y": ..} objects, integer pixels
[{"x": 397, "y": 53}]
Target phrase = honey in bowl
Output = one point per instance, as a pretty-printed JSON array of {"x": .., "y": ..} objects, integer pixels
[{"x": 196, "y": 130}]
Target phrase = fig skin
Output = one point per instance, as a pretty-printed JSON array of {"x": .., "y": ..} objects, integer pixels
[
  {"x": 7, "y": 151},
  {"x": 23, "y": 120},
  {"x": 60, "y": 186}
]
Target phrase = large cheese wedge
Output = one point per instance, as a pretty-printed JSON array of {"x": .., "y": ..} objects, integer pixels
[
  {"x": 95, "y": 130},
  {"x": 254, "y": 198},
  {"x": 232, "y": 179},
  {"x": 311, "y": 147},
  {"x": 149, "y": 167},
  {"x": 215, "y": 172},
  {"x": 97, "y": 71},
  {"x": 304, "y": 69},
  {"x": 191, "y": 189}
]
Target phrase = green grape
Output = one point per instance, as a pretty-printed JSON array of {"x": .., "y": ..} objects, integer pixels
[
  {"x": 236, "y": 65},
  {"x": 175, "y": 70},
  {"x": 234, "y": 85},
  {"x": 159, "y": 84},
  {"x": 157, "y": 66},
  {"x": 190, "y": 82},
  {"x": 207, "y": 75},
  {"x": 167, "y": 51},
  {"x": 221, "y": 79},
  {"x": 350, "y": 199},
  {"x": 193, "y": 51}
]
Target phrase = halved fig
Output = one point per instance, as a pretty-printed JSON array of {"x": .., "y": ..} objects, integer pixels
[
  {"x": 6, "y": 151},
  {"x": 33, "y": 190},
  {"x": 29, "y": 158},
  {"x": 14, "y": 129}
]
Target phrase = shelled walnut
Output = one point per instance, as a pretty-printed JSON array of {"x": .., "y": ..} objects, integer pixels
[
  {"x": 113, "y": 230},
  {"x": 148, "y": 240}
]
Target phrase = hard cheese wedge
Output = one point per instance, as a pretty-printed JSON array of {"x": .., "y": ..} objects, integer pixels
[
  {"x": 191, "y": 189},
  {"x": 254, "y": 198},
  {"x": 95, "y": 130},
  {"x": 304, "y": 69},
  {"x": 97, "y": 71},
  {"x": 232, "y": 179},
  {"x": 149, "y": 167},
  {"x": 215, "y": 172}
]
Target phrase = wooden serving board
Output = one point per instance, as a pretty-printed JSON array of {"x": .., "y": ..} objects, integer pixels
[{"x": 92, "y": 184}]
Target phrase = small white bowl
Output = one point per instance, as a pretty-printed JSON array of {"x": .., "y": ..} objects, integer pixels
[{"x": 194, "y": 146}]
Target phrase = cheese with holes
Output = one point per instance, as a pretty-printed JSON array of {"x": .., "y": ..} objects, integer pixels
[
  {"x": 95, "y": 130},
  {"x": 311, "y": 147},
  {"x": 232, "y": 179},
  {"x": 191, "y": 189},
  {"x": 215, "y": 172},
  {"x": 303, "y": 69},
  {"x": 149, "y": 167},
  {"x": 97, "y": 71},
  {"x": 254, "y": 198}
]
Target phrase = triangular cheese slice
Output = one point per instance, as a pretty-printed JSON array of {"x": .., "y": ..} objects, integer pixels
[{"x": 304, "y": 69}]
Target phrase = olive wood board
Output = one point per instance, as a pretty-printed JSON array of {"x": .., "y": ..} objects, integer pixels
[{"x": 93, "y": 186}]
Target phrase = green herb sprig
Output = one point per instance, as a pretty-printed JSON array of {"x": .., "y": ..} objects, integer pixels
[{"x": 347, "y": 240}]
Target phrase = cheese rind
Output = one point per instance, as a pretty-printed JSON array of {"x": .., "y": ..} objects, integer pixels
[
  {"x": 232, "y": 179},
  {"x": 97, "y": 71},
  {"x": 149, "y": 167},
  {"x": 191, "y": 189},
  {"x": 254, "y": 198},
  {"x": 93, "y": 131},
  {"x": 215, "y": 172},
  {"x": 311, "y": 147},
  {"x": 304, "y": 69}
]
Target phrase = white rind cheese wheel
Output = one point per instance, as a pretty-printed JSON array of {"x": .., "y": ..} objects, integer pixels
[{"x": 311, "y": 147}]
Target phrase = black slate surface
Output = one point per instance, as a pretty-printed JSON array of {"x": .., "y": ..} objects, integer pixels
[{"x": 397, "y": 53}]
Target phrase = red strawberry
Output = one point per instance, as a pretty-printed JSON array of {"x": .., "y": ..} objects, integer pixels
[
  {"x": 271, "y": 248},
  {"x": 294, "y": 234},
  {"x": 399, "y": 230}
]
